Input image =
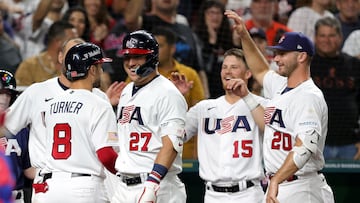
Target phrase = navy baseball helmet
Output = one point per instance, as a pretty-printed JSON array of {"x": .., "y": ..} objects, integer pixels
[
  {"x": 142, "y": 43},
  {"x": 80, "y": 58},
  {"x": 8, "y": 85}
]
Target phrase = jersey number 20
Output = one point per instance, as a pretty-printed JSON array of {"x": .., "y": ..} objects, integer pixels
[{"x": 62, "y": 141}]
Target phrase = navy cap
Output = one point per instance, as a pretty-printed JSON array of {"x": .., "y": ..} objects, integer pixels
[
  {"x": 295, "y": 41},
  {"x": 257, "y": 32}
]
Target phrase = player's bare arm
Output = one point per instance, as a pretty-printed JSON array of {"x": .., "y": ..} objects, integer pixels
[
  {"x": 288, "y": 169},
  {"x": 255, "y": 60}
]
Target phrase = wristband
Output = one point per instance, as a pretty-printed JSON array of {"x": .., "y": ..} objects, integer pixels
[
  {"x": 157, "y": 174},
  {"x": 250, "y": 101}
]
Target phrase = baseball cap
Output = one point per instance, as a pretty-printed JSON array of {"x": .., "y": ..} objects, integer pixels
[
  {"x": 295, "y": 41},
  {"x": 257, "y": 32}
]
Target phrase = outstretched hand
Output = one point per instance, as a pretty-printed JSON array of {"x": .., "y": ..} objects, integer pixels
[
  {"x": 114, "y": 92},
  {"x": 180, "y": 81},
  {"x": 239, "y": 24}
]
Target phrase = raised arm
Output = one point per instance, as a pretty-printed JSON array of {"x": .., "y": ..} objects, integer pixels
[
  {"x": 133, "y": 14},
  {"x": 254, "y": 58}
]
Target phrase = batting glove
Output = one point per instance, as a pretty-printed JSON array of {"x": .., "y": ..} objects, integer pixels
[{"x": 149, "y": 193}]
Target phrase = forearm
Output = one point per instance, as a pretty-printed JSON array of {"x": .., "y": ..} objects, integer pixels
[
  {"x": 167, "y": 153},
  {"x": 286, "y": 170},
  {"x": 133, "y": 14},
  {"x": 254, "y": 58}
]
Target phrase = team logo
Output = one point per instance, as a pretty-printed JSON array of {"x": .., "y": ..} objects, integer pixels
[
  {"x": 131, "y": 43},
  {"x": 282, "y": 38}
]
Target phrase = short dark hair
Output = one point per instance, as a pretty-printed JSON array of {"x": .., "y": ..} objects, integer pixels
[
  {"x": 169, "y": 35},
  {"x": 57, "y": 30},
  {"x": 329, "y": 22}
]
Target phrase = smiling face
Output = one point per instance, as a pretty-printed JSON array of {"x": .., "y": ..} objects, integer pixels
[
  {"x": 234, "y": 67},
  {"x": 77, "y": 19},
  {"x": 131, "y": 64}
]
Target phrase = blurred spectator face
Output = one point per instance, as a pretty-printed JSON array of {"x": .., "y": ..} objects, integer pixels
[
  {"x": 166, "y": 51},
  {"x": 327, "y": 41},
  {"x": 77, "y": 19},
  {"x": 92, "y": 6},
  {"x": 261, "y": 44},
  {"x": 349, "y": 9},
  {"x": 119, "y": 6},
  {"x": 262, "y": 9},
  {"x": 213, "y": 17},
  {"x": 165, "y": 5}
]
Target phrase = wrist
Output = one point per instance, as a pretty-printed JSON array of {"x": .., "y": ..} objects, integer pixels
[
  {"x": 251, "y": 102},
  {"x": 157, "y": 174}
]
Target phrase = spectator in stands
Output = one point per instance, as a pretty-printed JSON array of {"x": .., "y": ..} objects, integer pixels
[
  {"x": 215, "y": 33},
  {"x": 113, "y": 42},
  {"x": 352, "y": 44},
  {"x": 10, "y": 56},
  {"x": 78, "y": 17},
  {"x": 262, "y": 16},
  {"x": 101, "y": 22},
  {"x": 45, "y": 65},
  {"x": 348, "y": 16},
  {"x": 303, "y": 19},
  {"x": 167, "y": 66},
  {"x": 338, "y": 76},
  {"x": 36, "y": 26},
  {"x": 188, "y": 50}
]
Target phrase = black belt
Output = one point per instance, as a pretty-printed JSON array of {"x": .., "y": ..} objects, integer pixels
[
  {"x": 234, "y": 188},
  {"x": 130, "y": 181},
  {"x": 73, "y": 175}
]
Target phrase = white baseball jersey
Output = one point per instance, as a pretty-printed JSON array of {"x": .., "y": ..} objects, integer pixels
[
  {"x": 289, "y": 115},
  {"x": 78, "y": 123},
  {"x": 229, "y": 141},
  {"x": 155, "y": 110},
  {"x": 26, "y": 110}
]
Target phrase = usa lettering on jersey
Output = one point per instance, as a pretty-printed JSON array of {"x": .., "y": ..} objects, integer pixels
[
  {"x": 130, "y": 113},
  {"x": 273, "y": 115},
  {"x": 10, "y": 146},
  {"x": 225, "y": 125}
]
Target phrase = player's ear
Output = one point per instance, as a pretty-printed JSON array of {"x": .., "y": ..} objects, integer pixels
[
  {"x": 248, "y": 74},
  {"x": 60, "y": 57}
]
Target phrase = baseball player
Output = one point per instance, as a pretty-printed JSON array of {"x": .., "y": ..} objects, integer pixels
[
  {"x": 229, "y": 140},
  {"x": 295, "y": 119},
  {"x": 26, "y": 111},
  {"x": 80, "y": 132},
  {"x": 16, "y": 148},
  {"x": 151, "y": 119}
]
